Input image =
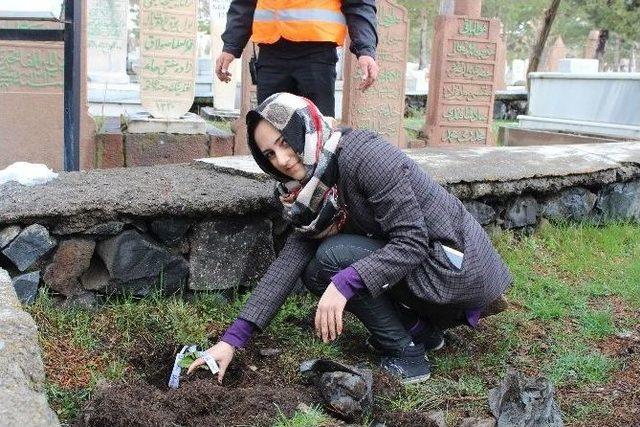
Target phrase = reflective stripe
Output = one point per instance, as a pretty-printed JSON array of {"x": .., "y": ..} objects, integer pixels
[{"x": 324, "y": 15}]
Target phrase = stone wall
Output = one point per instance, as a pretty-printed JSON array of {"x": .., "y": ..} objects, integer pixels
[{"x": 212, "y": 225}]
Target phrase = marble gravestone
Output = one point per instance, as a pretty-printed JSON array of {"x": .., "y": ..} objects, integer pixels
[
  {"x": 168, "y": 34},
  {"x": 463, "y": 77},
  {"x": 224, "y": 94},
  {"x": 248, "y": 101},
  {"x": 381, "y": 107},
  {"x": 107, "y": 41}
]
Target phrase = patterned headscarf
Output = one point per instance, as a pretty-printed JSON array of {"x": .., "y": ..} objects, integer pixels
[{"x": 311, "y": 204}]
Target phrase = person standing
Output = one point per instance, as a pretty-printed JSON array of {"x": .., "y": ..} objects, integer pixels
[{"x": 297, "y": 41}]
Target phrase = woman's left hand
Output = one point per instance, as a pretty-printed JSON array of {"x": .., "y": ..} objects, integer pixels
[{"x": 329, "y": 314}]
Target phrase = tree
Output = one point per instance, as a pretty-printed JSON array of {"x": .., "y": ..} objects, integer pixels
[{"x": 549, "y": 17}]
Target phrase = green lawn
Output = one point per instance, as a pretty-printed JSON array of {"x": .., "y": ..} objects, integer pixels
[{"x": 575, "y": 288}]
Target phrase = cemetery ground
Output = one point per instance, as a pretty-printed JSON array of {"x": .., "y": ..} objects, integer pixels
[{"x": 574, "y": 317}]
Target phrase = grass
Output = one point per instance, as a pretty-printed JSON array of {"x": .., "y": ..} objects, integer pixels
[
  {"x": 575, "y": 287},
  {"x": 308, "y": 417}
]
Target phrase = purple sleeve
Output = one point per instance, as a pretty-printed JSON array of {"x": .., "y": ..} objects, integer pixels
[
  {"x": 239, "y": 333},
  {"x": 348, "y": 282},
  {"x": 473, "y": 317}
]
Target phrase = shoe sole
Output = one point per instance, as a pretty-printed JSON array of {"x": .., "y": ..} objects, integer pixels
[{"x": 416, "y": 380}]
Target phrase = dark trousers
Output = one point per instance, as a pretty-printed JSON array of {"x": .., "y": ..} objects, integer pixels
[
  {"x": 388, "y": 316},
  {"x": 311, "y": 78}
]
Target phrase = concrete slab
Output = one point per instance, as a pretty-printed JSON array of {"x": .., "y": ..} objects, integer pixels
[{"x": 190, "y": 124}]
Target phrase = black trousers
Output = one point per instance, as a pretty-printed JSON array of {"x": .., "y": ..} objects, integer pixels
[
  {"x": 312, "y": 76},
  {"x": 388, "y": 316}
]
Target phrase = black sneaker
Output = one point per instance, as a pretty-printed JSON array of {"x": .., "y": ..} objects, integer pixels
[
  {"x": 432, "y": 339},
  {"x": 410, "y": 365}
]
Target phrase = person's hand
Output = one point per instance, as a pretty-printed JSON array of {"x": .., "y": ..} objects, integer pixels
[
  {"x": 369, "y": 70},
  {"x": 222, "y": 66},
  {"x": 329, "y": 314},
  {"x": 222, "y": 353}
]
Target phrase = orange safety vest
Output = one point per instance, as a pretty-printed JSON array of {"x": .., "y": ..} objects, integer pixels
[{"x": 299, "y": 21}]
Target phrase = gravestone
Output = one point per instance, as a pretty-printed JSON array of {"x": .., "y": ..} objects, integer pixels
[
  {"x": 248, "y": 101},
  {"x": 168, "y": 49},
  {"x": 557, "y": 52},
  {"x": 224, "y": 94},
  {"x": 592, "y": 44},
  {"x": 107, "y": 41},
  {"x": 463, "y": 77},
  {"x": 381, "y": 107}
]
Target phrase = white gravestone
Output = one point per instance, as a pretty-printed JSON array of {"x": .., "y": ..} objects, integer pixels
[
  {"x": 224, "y": 94},
  {"x": 578, "y": 65},
  {"x": 168, "y": 47},
  {"x": 107, "y": 41}
]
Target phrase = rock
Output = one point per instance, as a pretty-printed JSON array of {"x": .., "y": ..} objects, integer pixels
[
  {"x": 270, "y": 352},
  {"x": 226, "y": 253},
  {"x": 72, "y": 258},
  {"x": 499, "y": 110},
  {"x": 619, "y": 201},
  {"x": 477, "y": 422},
  {"x": 26, "y": 286},
  {"x": 346, "y": 390},
  {"x": 85, "y": 300},
  {"x": 23, "y": 401},
  {"x": 438, "y": 418},
  {"x": 29, "y": 246},
  {"x": 483, "y": 213},
  {"x": 170, "y": 230},
  {"x": 522, "y": 212},
  {"x": 96, "y": 278},
  {"x": 573, "y": 204},
  {"x": 137, "y": 266},
  {"x": 105, "y": 230},
  {"x": 7, "y": 235},
  {"x": 526, "y": 402},
  {"x": 138, "y": 224}
]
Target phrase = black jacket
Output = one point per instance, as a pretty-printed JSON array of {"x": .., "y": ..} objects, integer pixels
[{"x": 360, "y": 15}]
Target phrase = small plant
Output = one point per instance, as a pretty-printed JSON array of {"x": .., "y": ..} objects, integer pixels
[{"x": 306, "y": 417}]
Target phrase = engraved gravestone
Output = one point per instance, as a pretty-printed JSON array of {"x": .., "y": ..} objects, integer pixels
[
  {"x": 463, "y": 78},
  {"x": 107, "y": 41},
  {"x": 168, "y": 30},
  {"x": 381, "y": 107}
]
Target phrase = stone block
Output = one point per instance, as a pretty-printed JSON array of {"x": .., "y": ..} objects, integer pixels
[
  {"x": 107, "y": 229},
  {"x": 109, "y": 150},
  {"x": 137, "y": 266},
  {"x": 7, "y": 235},
  {"x": 189, "y": 124},
  {"x": 170, "y": 230},
  {"x": 29, "y": 246},
  {"x": 227, "y": 253},
  {"x": 521, "y": 212},
  {"x": 72, "y": 258},
  {"x": 26, "y": 286},
  {"x": 483, "y": 213},
  {"x": 619, "y": 201},
  {"x": 162, "y": 148},
  {"x": 96, "y": 278},
  {"x": 220, "y": 142},
  {"x": 23, "y": 400},
  {"x": 573, "y": 204}
]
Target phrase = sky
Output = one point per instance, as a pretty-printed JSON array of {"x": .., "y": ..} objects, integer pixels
[{"x": 32, "y": 6}]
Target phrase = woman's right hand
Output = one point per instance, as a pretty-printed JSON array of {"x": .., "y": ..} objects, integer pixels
[{"x": 222, "y": 353}]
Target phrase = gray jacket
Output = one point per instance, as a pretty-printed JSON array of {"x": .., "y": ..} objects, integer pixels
[{"x": 388, "y": 196}]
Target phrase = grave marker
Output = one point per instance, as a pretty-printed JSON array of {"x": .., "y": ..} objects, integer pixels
[{"x": 107, "y": 41}]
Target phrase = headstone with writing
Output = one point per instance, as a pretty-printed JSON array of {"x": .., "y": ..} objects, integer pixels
[
  {"x": 168, "y": 35},
  {"x": 248, "y": 101},
  {"x": 381, "y": 107},
  {"x": 463, "y": 79},
  {"x": 224, "y": 94},
  {"x": 107, "y": 41}
]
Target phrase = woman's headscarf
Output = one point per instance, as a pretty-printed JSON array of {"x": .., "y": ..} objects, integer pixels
[{"x": 311, "y": 204}]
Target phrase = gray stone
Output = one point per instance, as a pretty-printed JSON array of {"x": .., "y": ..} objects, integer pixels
[
  {"x": 619, "y": 201},
  {"x": 107, "y": 229},
  {"x": 346, "y": 390},
  {"x": 23, "y": 400},
  {"x": 71, "y": 260},
  {"x": 84, "y": 300},
  {"x": 137, "y": 266},
  {"x": 524, "y": 401},
  {"x": 438, "y": 418},
  {"x": 521, "y": 212},
  {"x": 26, "y": 286},
  {"x": 96, "y": 278},
  {"x": 7, "y": 235},
  {"x": 573, "y": 204},
  {"x": 483, "y": 213},
  {"x": 227, "y": 253},
  {"x": 477, "y": 422},
  {"x": 170, "y": 230},
  {"x": 270, "y": 352},
  {"x": 31, "y": 244}
]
